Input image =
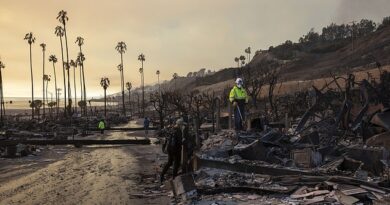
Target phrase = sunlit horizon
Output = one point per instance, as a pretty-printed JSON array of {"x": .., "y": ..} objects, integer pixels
[{"x": 181, "y": 38}]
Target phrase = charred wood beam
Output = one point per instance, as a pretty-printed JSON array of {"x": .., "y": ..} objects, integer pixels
[
  {"x": 300, "y": 180},
  {"x": 247, "y": 168},
  {"x": 241, "y": 189},
  {"x": 75, "y": 142},
  {"x": 310, "y": 111}
]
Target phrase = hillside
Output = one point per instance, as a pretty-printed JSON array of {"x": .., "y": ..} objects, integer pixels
[
  {"x": 314, "y": 56},
  {"x": 368, "y": 50}
]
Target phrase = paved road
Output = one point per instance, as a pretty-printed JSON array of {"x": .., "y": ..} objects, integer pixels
[{"x": 90, "y": 175}]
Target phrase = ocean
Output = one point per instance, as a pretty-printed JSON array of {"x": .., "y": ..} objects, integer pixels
[{"x": 23, "y": 102}]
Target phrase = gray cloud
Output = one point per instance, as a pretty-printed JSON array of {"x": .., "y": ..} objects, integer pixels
[{"x": 175, "y": 35}]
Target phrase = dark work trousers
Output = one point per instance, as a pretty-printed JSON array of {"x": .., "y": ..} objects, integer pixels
[
  {"x": 174, "y": 157},
  {"x": 238, "y": 122},
  {"x": 174, "y": 153}
]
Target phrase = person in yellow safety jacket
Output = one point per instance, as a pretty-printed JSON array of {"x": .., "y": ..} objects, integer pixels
[
  {"x": 239, "y": 97},
  {"x": 102, "y": 126}
]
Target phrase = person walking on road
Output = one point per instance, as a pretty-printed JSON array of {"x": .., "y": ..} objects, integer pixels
[
  {"x": 239, "y": 97},
  {"x": 101, "y": 126},
  {"x": 146, "y": 125}
]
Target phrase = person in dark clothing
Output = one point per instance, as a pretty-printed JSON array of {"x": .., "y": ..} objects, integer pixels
[
  {"x": 146, "y": 125},
  {"x": 174, "y": 148}
]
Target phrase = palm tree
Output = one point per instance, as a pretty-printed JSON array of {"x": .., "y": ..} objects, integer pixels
[
  {"x": 105, "y": 82},
  {"x": 120, "y": 68},
  {"x": 141, "y": 58},
  {"x": 29, "y": 37},
  {"x": 175, "y": 76},
  {"x": 141, "y": 71},
  {"x": 43, "y": 45},
  {"x": 128, "y": 87},
  {"x": 2, "y": 107},
  {"x": 47, "y": 79},
  {"x": 237, "y": 60},
  {"x": 242, "y": 59},
  {"x": 248, "y": 51},
  {"x": 36, "y": 105},
  {"x": 69, "y": 106},
  {"x": 63, "y": 18},
  {"x": 80, "y": 42},
  {"x": 80, "y": 61},
  {"x": 158, "y": 80},
  {"x": 59, "y": 31},
  {"x": 53, "y": 58},
  {"x": 121, "y": 48},
  {"x": 74, "y": 65}
]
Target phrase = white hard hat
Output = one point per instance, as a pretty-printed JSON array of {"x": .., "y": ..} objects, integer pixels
[{"x": 239, "y": 81}]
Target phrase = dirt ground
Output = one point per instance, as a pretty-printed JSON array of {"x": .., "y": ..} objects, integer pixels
[{"x": 126, "y": 174}]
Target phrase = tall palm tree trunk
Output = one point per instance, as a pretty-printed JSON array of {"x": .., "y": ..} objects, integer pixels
[
  {"x": 67, "y": 62},
  {"x": 81, "y": 91},
  {"x": 143, "y": 90},
  {"x": 55, "y": 85},
  {"x": 84, "y": 90},
  {"x": 105, "y": 103},
  {"x": 43, "y": 84},
  {"x": 32, "y": 85},
  {"x": 85, "y": 93},
  {"x": 63, "y": 73},
  {"x": 75, "y": 90},
  {"x": 123, "y": 87}
]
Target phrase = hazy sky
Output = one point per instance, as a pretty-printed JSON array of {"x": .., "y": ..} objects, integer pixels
[{"x": 175, "y": 35}]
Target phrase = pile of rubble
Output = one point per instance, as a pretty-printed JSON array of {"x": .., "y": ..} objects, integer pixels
[{"x": 336, "y": 153}]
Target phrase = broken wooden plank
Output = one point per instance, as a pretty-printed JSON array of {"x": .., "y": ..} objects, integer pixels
[
  {"x": 300, "y": 191},
  {"x": 313, "y": 193},
  {"x": 345, "y": 199},
  {"x": 353, "y": 191},
  {"x": 373, "y": 189},
  {"x": 378, "y": 196},
  {"x": 314, "y": 200},
  {"x": 356, "y": 182}
]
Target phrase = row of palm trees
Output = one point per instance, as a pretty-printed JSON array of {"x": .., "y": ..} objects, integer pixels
[
  {"x": 241, "y": 59},
  {"x": 104, "y": 82},
  {"x": 61, "y": 32},
  {"x": 121, "y": 47}
]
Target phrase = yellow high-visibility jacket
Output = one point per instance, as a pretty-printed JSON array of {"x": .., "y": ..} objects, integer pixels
[
  {"x": 101, "y": 125},
  {"x": 238, "y": 94}
]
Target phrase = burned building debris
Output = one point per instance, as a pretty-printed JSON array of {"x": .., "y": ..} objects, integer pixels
[{"x": 335, "y": 152}]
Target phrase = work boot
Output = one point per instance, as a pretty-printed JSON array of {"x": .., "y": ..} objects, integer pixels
[
  {"x": 161, "y": 179},
  {"x": 236, "y": 140}
]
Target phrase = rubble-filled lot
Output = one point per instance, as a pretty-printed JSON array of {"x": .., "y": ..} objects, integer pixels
[{"x": 336, "y": 152}]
